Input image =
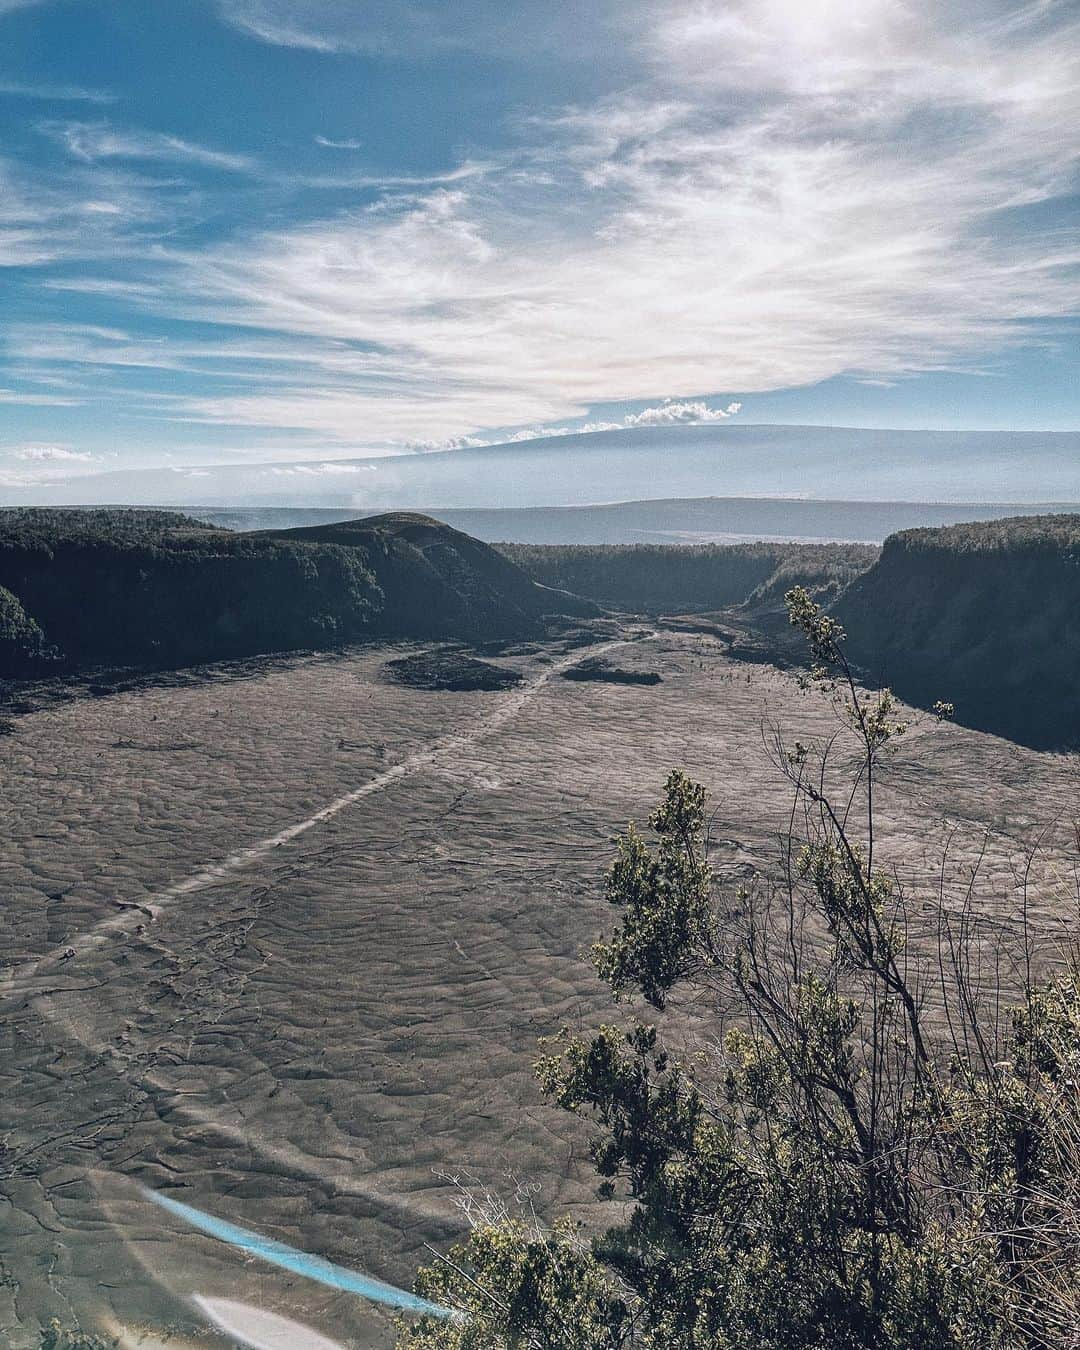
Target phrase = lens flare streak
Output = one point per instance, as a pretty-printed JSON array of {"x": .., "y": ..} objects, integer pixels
[{"x": 300, "y": 1263}]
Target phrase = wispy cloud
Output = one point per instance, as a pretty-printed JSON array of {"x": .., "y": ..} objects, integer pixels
[
  {"x": 42, "y": 464},
  {"x": 282, "y": 25},
  {"x": 32, "y": 398},
  {"x": 802, "y": 194},
  {"x": 80, "y": 212},
  {"x": 55, "y": 454},
  {"x": 331, "y": 144},
  {"x": 92, "y": 141},
  {"x": 667, "y": 413},
  {"x": 353, "y": 181},
  {"x": 418, "y": 27},
  {"x": 449, "y": 443},
  {"x": 54, "y": 93},
  {"x": 782, "y": 195},
  {"x": 330, "y": 469}
]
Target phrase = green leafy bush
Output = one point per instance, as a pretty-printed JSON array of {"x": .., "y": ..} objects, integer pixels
[
  {"x": 22, "y": 644},
  {"x": 837, "y": 1167}
]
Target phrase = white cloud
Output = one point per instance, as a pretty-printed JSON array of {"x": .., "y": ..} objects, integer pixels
[
  {"x": 81, "y": 211},
  {"x": 667, "y": 413},
  {"x": 51, "y": 454},
  {"x": 412, "y": 27},
  {"x": 510, "y": 438},
  {"x": 58, "y": 93},
  {"x": 92, "y": 141},
  {"x": 814, "y": 195},
  {"x": 449, "y": 443},
  {"x": 789, "y": 194},
  {"x": 46, "y": 464},
  {"x": 544, "y": 433},
  {"x": 278, "y": 24},
  {"x": 328, "y": 469},
  {"x": 331, "y": 144},
  {"x": 672, "y": 411},
  {"x": 32, "y": 397},
  {"x": 350, "y": 181}
]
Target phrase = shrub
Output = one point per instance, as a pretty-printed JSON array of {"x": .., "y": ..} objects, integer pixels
[
  {"x": 22, "y": 643},
  {"x": 838, "y": 1169},
  {"x": 58, "y": 1337}
]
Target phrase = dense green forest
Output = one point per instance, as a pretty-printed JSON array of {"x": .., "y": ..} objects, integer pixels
[
  {"x": 985, "y": 614},
  {"x": 1015, "y": 535},
  {"x": 680, "y": 579},
  {"x": 151, "y": 588}
]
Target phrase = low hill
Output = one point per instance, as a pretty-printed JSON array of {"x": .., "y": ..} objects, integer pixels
[
  {"x": 437, "y": 581},
  {"x": 660, "y": 578},
  {"x": 153, "y": 588},
  {"x": 986, "y": 616}
]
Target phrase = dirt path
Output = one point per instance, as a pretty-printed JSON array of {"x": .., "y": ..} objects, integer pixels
[{"x": 22, "y": 983}]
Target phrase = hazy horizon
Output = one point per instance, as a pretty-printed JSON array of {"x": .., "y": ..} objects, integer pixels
[{"x": 734, "y": 460}]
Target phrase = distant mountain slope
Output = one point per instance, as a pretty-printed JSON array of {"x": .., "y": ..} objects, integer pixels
[
  {"x": 685, "y": 520},
  {"x": 141, "y": 588},
  {"x": 718, "y": 460},
  {"x": 986, "y": 616}
]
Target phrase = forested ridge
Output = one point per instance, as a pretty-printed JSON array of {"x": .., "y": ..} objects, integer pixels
[
  {"x": 684, "y": 578},
  {"x": 154, "y": 588}
]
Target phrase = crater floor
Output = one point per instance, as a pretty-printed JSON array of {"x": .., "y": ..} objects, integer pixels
[{"x": 281, "y": 947}]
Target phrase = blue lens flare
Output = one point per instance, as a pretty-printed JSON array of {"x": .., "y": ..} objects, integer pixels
[{"x": 300, "y": 1263}]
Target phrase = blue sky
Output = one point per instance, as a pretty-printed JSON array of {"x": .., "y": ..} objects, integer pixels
[{"x": 236, "y": 230}]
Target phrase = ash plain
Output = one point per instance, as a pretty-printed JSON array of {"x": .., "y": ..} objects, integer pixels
[{"x": 281, "y": 948}]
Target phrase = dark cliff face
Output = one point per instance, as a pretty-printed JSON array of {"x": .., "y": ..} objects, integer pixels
[
  {"x": 153, "y": 589},
  {"x": 437, "y": 581},
  {"x": 186, "y": 597},
  {"x": 985, "y": 616}
]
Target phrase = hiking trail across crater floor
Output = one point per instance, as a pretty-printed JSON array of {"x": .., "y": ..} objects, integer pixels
[{"x": 134, "y": 916}]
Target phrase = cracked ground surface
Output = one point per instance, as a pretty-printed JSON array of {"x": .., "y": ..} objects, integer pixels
[{"x": 310, "y": 1042}]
